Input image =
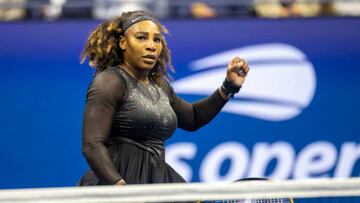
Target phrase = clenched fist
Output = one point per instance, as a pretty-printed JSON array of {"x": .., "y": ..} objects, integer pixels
[{"x": 237, "y": 71}]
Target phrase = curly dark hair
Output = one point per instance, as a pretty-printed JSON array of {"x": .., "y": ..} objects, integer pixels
[{"x": 103, "y": 51}]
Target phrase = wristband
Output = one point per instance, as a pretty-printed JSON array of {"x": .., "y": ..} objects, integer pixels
[{"x": 229, "y": 89}]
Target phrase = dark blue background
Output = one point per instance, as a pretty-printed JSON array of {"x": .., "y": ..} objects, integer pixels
[{"x": 43, "y": 86}]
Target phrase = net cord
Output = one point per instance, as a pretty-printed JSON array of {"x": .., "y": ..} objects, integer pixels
[{"x": 311, "y": 188}]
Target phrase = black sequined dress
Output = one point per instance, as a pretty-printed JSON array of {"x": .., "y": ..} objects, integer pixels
[{"x": 126, "y": 123}]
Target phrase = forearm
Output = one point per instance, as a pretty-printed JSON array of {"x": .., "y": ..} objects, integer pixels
[
  {"x": 206, "y": 109},
  {"x": 192, "y": 116},
  {"x": 96, "y": 129},
  {"x": 101, "y": 163}
]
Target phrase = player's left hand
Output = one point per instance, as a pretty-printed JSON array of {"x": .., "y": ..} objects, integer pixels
[{"x": 237, "y": 70}]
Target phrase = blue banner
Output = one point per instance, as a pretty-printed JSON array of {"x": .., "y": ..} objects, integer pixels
[{"x": 297, "y": 115}]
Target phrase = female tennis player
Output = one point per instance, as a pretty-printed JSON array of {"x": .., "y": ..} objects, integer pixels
[{"x": 131, "y": 108}]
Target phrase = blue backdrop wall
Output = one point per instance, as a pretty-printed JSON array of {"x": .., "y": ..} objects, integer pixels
[{"x": 297, "y": 116}]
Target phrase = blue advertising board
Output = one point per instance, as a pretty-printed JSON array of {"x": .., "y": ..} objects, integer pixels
[{"x": 297, "y": 115}]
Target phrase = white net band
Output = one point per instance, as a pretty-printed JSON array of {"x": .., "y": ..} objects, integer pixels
[{"x": 189, "y": 192}]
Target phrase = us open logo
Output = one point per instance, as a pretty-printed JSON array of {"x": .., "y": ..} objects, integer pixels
[{"x": 280, "y": 84}]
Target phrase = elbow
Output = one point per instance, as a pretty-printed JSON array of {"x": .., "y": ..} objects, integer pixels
[
  {"x": 192, "y": 128},
  {"x": 88, "y": 150},
  {"x": 196, "y": 125}
]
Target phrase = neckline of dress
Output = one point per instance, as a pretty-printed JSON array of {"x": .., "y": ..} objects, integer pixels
[
  {"x": 147, "y": 87},
  {"x": 134, "y": 78}
]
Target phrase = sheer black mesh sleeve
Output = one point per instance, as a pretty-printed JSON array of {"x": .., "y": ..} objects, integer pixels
[
  {"x": 105, "y": 92},
  {"x": 192, "y": 116}
]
